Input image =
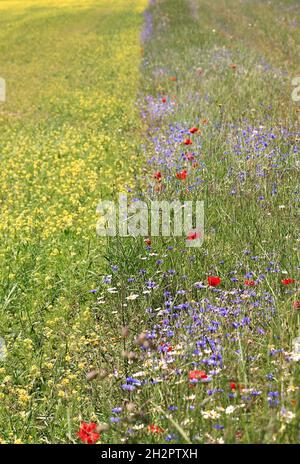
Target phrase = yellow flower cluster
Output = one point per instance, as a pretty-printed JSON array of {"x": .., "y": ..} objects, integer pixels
[
  {"x": 69, "y": 138},
  {"x": 72, "y": 138}
]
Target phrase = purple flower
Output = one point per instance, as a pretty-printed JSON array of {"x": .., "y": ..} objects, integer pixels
[
  {"x": 150, "y": 284},
  {"x": 128, "y": 387},
  {"x": 117, "y": 410}
]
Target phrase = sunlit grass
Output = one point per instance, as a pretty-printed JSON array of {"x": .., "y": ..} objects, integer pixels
[{"x": 180, "y": 360}]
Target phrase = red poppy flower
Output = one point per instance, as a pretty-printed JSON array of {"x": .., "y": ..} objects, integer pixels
[
  {"x": 232, "y": 386},
  {"x": 147, "y": 241},
  {"x": 173, "y": 78},
  {"x": 187, "y": 142},
  {"x": 193, "y": 130},
  {"x": 157, "y": 175},
  {"x": 193, "y": 235},
  {"x": 213, "y": 281},
  {"x": 288, "y": 281},
  {"x": 233, "y": 66},
  {"x": 164, "y": 100},
  {"x": 297, "y": 304},
  {"x": 155, "y": 429},
  {"x": 249, "y": 283},
  {"x": 189, "y": 156},
  {"x": 197, "y": 375},
  {"x": 87, "y": 433},
  {"x": 181, "y": 175}
]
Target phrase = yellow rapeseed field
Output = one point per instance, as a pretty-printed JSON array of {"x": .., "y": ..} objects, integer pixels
[{"x": 69, "y": 132}]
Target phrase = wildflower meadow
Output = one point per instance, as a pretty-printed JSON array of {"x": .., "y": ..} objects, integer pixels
[{"x": 119, "y": 120}]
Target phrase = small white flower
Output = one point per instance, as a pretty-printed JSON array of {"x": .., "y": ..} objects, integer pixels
[
  {"x": 187, "y": 422},
  {"x": 287, "y": 416},
  {"x": 112, "y": 290},
  {"x": 139, "y": 374},
  {"x": 210, "y": 414},
  {"x": 229, "y": 409},
  {"x": 133, "y": 296},
  {"x": 190, "y": 398},
  {"x": 138, "y": 427},
  {"x": 179, "y": 382}
]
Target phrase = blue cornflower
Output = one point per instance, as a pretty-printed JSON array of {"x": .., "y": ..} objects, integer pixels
[
  {"x": 115, "y": 419},
  {"x": 117, "y": 410}
]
